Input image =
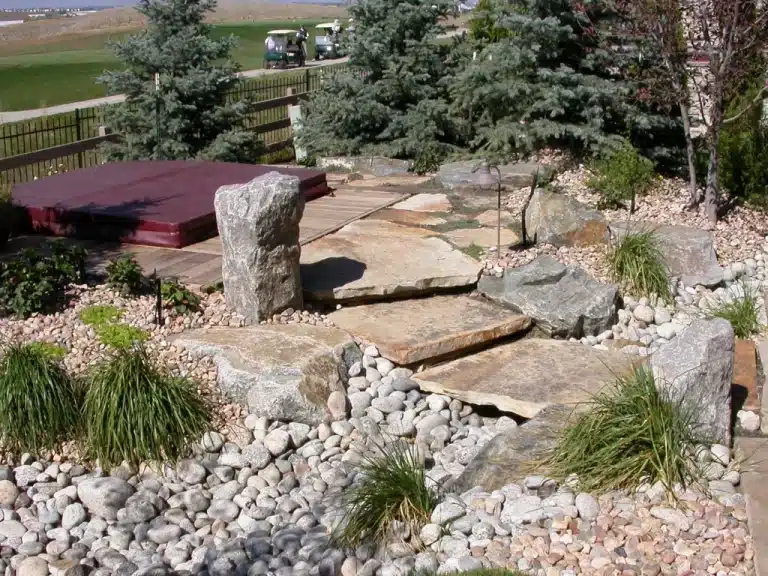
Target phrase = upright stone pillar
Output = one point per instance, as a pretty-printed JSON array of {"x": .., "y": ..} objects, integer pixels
[{"x": 259, "y": 228}]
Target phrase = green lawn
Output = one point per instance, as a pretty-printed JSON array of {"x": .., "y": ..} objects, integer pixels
[{"x": 57, "y": 73}]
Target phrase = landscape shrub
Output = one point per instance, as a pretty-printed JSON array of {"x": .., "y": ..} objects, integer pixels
[
  {"x": 124, "y": 275},
  {"x": 178, "y": 297},
  {"x": 136, "y": 411},
  {"x": 744, "y": 153},
  {"x": 392, "y": 487},
  {"x": 742, "y": 312},
  {"x": 631, "y": 434},
  {"x": 39, "y": 402},
  {"x": 34, "y": 282},
  {"x": 621, "y": 177},
  {"x": 48, "y": 349},
  {"x": 97, "y": 315},
  {"x": 636, "y": 262}
]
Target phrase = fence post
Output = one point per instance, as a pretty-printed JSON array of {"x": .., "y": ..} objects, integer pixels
[
  {"x": 306, "y": 79},
  {"x": 78, "y": 136}
]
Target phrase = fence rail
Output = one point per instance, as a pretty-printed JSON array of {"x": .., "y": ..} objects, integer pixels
[{"x": 47, "y": 145}]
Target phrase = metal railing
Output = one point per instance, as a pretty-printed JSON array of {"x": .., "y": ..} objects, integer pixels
[{"x": 64, "y": 142}]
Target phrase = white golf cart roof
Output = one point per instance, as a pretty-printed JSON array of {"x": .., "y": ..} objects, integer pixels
[
  {"x": 282, "y": 32},
  {"x": 325, "y": 26}
]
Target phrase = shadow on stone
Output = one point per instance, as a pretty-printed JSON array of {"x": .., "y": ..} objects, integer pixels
[{"x": 331, "y": 273}]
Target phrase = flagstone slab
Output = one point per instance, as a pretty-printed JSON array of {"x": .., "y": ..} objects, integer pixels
[
  {"x": 425, "y": 203},
  {"x": 409, "y": 331},
  {"x": 409, "y": 218},
  {"x": 526, "y": 376},
  {"x": 483, "y": 237},
  {"x": 283, "y": 372},
  {"x": 491, "y": 218},
  {"x": 375, "y": 259}
]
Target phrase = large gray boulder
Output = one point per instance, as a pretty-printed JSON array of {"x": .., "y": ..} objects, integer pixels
[
  {"x": 560, "y": 220},
  {"x": 511, "y": 456},
  {"x": 688, "y": 252},
  {"x": 103, "y": 497},
  {"x": 696, "y": 369},
  {"x": 564, "y": 301},
  {"x": 284, "y": 372},
  {"x": 464, "y": 176},
  {"x": 259, "y": 227}
]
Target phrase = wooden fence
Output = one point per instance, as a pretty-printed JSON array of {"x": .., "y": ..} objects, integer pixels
[{"x": 47, "y": 146}]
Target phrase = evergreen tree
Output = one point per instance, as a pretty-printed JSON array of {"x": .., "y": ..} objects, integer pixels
[
  {"x": 392, "y": 99},
  {"x": 551, "y": 80},
  {"x": 176, "y": 81}
]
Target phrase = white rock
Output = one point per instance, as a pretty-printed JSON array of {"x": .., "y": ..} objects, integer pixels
[
  {"x": 666, "y": 330},
  {"x": 337, "y": 405},
  {"x": 587, "y": 506},
  {"x": 277, "y": 441},
  {"x": 721, "y": 454},
  {"x": 748, "y": 420},
  {"x": 371, "y": 351},
  {"x": 644, "y": 313},
  {"x": 74, "y": 515},
  {"x": 33, "y": 566},
  {"x": 661, "y": 316},
  {"x": 448, "y": 511},
  {"x": 430, "y": 533},
  {"x": 8, "y": 493},
  {"x": 104, "y": 496}
]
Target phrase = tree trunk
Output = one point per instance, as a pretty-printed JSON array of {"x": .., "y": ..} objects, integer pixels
[
  {"x": 711, "y": 192},
  {"x": 691, "y": 154}
]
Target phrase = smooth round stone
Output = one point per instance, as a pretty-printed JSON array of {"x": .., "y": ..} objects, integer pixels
[
  {"x": 33, "y": 566},
  {"x": 384, "y": 366},
  {"x": 371, "y": 351},
  {"x": 644, "y": 313},
  {"x": 8, "y": 493},
  {"x": 661, "y": 316},
  {"x": 387, "y": 405}
]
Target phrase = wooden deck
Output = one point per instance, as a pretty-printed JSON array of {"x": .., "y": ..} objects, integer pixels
[{"x": 200, "y": 264}]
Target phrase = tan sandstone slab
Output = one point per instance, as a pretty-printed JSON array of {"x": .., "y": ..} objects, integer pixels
[
  {"x": 408, "y": 180},
  {"x": 409, "y": 331},
  {"x": 284, "y": 372},
  {"x": 491, "y": 218},
  {"x": 526, "y": 376},
  {"x": 425, "y": 203},
  {"x": 483, "y": 237},
  {"x": 409, "y": 218},
  {"x": 378, "y": 259}
]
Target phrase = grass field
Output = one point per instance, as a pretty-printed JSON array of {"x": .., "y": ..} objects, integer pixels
[{"x": 65, "y": 69}]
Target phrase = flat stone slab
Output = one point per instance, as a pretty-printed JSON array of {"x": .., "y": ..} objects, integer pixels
[
  {"x": 283, "y": 372},
  {"x": 425, "y": 203},
  {"x": 379, "y": 259},
  {"x": 491, "y": 218},
  {"x": 526, "y": 376},
  {"x": 688, "y": 252},
  {"x": 745, "y": 380},
  {"x": 410, "y": 331},
  {"x": 408, "y": 218},
  {"x": 483, "y": 237},
  {"x": 407, "y": 180},
  {"x": 376, "y": 165}
]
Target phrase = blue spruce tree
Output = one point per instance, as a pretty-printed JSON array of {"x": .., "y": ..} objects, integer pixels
[
  {"x": 392, "y": 99},
  {"x": 176, "y": 81}
]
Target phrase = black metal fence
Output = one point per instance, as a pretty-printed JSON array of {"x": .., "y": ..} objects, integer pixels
[{"x": 49, "y": 131}]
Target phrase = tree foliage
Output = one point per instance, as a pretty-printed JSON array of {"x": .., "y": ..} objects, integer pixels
[
  {"x": 551, "y": 81},
  {"x": 176, "y": 81},
  {"x": 392, "y": 99}
]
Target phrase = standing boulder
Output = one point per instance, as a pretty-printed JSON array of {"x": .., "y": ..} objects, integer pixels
[
  {"x": 560, "y": 220},
  {"x": 696, "y": 369},
  {"x": 259, "y": 227},
  {"x": 564, "y": 301}
]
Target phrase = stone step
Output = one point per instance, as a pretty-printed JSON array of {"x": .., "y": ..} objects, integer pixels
[
  {"x": 284, "y": 372},
  {"x": 526, "y": 376},
  {"x": 410, "y": 331},
  {"x": 374, "y": 259}
]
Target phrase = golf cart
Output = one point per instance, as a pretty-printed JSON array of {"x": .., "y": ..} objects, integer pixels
[
  {"x": 282, "y": 50},
  {"x": 327, "y": 43}
]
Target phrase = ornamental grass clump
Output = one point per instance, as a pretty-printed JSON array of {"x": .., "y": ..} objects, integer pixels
[
  {"x": 136, "y": 411},
  {"x": 636, "y": 262},
  {"x": 742, "y": 312},
  {"x": 39, "y": 402},
  {"x": 393, "y": 488},
  {"x": 632, "y": 434}
]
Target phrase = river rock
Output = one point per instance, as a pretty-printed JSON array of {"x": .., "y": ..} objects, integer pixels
[
  {"x": 104, "y": 496},
  {"x": 564, "y": 301},
  {"x": 258, "y": 223}
]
